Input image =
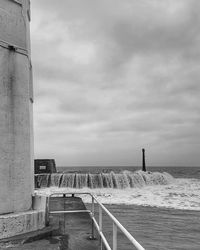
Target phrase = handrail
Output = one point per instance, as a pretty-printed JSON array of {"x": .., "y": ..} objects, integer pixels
[
  {"x": 70, "y": 212},
  {"x": 116, "y": 223}
]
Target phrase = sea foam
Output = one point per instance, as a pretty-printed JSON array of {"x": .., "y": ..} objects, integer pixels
[
  {"x": 126, "y": 187},
  {"x": 179, "y": 194}
]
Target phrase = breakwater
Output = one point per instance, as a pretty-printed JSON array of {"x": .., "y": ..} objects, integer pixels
[{"x": 124, "y": 179}]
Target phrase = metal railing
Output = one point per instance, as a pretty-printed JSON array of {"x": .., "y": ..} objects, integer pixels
[{"x": 99, "y": 227}]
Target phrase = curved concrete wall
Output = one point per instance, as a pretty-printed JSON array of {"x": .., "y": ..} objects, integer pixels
[{"x": 16, "y": 157}]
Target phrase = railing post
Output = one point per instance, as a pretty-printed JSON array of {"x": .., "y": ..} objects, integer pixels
[
  {"x": 100, "y": 226},
  {"x": 100, "y": 218},
  {"x": 47, "y": 211},
  {"x": 64, "y": 207},
  {"x": 92, "y": 205},
  {"x": 92, "y": 237},
  {"x": 114, "y": 236}
]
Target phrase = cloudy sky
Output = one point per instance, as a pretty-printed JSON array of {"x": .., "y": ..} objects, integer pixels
[{"x": 112, "y": 77}]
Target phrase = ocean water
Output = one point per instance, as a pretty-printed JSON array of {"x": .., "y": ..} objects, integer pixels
[
  {"x": 155, "y": 228},
  {"x": 162, "y": 217}
]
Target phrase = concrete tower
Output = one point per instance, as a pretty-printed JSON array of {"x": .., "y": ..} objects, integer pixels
[{"x": 16, "y": 143}]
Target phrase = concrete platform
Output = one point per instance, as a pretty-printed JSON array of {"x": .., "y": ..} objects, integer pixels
[
  {"x": 76, "y": 228},
  {"x": 19, "y": 241},
  {"x": 66, "y": 231}
]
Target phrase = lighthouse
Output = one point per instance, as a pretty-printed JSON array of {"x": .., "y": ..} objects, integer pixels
[
  {"x": 20, "y": 211},
  {"x": 16, "y": 136}
]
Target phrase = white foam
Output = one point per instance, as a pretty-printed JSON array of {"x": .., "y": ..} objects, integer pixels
[{"x": 181, "y": 194}]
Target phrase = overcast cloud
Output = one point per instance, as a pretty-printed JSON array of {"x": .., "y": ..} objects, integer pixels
[{"x": 112, "y": 77}]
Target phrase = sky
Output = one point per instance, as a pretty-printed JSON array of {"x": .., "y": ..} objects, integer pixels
[{"x": 112, "y": 77}]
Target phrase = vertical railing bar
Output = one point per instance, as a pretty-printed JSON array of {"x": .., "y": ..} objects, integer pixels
[
  {"x": 100, "y": 218},
  {"x": 47, "y": 211},
  {"x": 92, "y": 216},
  {"x": 100, "y": 226},
  {"x": 92, "y": 205},
  {"x": 114, "y": 236},
  {"x": 64, "y": 207}
]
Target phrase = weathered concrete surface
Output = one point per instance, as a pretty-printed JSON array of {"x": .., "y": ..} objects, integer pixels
[
  {"x": 44, "y": 244},
  {"x": 75, "y": 228},
  {"x": 14, "y": 224},
  {"x": 72, "y": 230},
  {"x": 29, "y": 237},
  {"x": 19, "y": 223},
  {"x": 23, "y": 222},
  {"x": 16, "y": 144},
  {"x": 11, "y": 19}
]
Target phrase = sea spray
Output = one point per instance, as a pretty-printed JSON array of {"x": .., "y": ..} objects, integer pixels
[
  {"x": 42, "y": 180},
  {"x": 68, "y": 180},
  {"x": 178, "y": 194},
  {"x": 107, "y": 180},
  {"x": 121, "y": 180},
  {"x": 55, "y": 180},
  {"x": 95, "y": 181}
]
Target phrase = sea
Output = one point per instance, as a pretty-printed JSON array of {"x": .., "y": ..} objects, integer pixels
[{"x": 159, "y": 215}]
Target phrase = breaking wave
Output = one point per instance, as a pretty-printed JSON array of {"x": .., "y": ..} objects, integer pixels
[
  {"x": 178, "y": 194},
  {"x": 122, "y": 180},
  {"x": 126, "y": 187}
]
